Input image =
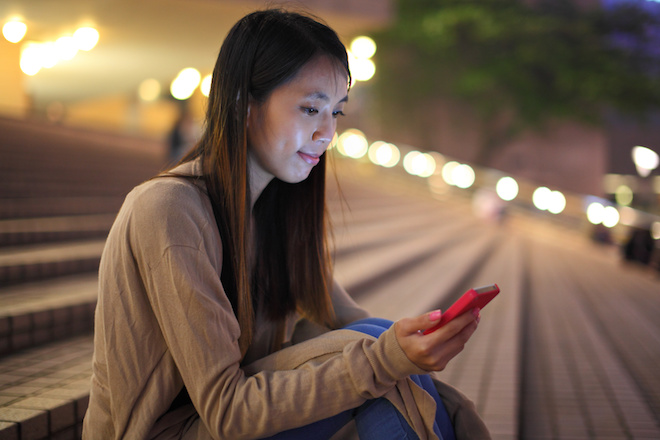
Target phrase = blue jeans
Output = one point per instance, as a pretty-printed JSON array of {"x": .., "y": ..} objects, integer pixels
[{"x": 376, "y": 419}]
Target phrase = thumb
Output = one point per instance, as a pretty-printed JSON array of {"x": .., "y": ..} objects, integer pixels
[{"x": 409, "y": 326}]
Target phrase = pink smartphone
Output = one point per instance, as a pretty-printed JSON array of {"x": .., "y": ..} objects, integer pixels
[{"x": 478, "y": 297}]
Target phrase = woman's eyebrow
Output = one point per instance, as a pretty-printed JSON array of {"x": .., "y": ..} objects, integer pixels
[{"x": 324, "y": 97}]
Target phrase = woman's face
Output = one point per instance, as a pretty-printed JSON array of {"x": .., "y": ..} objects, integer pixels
[{"x": 289, "y": 132}]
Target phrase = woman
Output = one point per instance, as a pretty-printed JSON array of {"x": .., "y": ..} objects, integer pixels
[{"x": 214, "y": 271}]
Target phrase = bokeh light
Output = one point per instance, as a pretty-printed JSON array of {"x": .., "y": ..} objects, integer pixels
[
  {"x": 14, "y": 31},
  {"x": 448, "y": 170},
  {"x": 655, "y": 230},
  {"x": 645, "y": 159},
  {"x": 363, "y": 47},
  {"x": 610, "y": 216},
  {"x": 595, "y": 213},
  {"x": 623, "y": 195},
  {"x": 384, "y": 154},
  {"x": 419, "y": 164},
  {"x": 185, "y": 83},
  {"x": 556, "y": 202},
  {"x": 362, "y": 69},
  {"x": 463, "y": 176},
  {"x": 86, "y": 38},
  {"x": 30, "y": 62},
  {"x": 352, "y": 143},
  {"x": 359, "y": 59},
  {"x": 48, "y": 55},
  {"x": 66, "y": 48},
  {"x": 507, "y": 188},
  {"x": 541, "y": 198},
  {"x": 149, "y": 90},
  {"x": 205, "y": 87}
]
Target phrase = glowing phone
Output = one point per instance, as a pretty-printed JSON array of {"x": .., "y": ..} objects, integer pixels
[{"x": 478, "y": 297}]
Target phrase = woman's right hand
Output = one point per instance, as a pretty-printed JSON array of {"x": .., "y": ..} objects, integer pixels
[{"x": 432, "y": 352}]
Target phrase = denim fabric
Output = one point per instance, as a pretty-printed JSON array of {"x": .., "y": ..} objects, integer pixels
[{"x": 376, "y": 419}]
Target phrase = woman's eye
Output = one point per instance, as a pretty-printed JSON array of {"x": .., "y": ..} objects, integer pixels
[
  {"x": 338, "y": 113},
  {"x": 309, "y": 110}
]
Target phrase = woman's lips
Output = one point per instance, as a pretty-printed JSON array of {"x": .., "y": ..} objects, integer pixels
[{"x": 310, "y": 159}]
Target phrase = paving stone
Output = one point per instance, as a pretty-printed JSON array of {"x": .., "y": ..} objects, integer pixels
[
  {"x": 67, "y": 434},
  {"x": 33, "y": 423},
  {"x": 9, "y": 431},
  {"x": 19, "y": 391},
  {"x": 61, "y": 413}
]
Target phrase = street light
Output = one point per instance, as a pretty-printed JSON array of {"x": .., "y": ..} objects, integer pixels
[{"x": 645, "y": 159}]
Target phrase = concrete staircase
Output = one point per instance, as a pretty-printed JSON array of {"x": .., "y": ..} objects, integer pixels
[
  {"x": 569, "y": 349},
  {"x": 59, "y": 192}
]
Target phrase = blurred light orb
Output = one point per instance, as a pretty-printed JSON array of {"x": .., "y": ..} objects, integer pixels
[
  {"x": 645, "y": 159},
  {"x": 463, "y": 176},
  {"x": 384, "y": 154},
  {"x": 185, "y": 83},
  {"x": 448, "y": 170},
  {"x": 353, "y": 143},
  {"x": 419, "y": 164},
  {"x": 30, "y": 62},
  {"x": 595, "y": 213},
  {"x": 655, "y": 230},
  {"x": 48, "y": 55},
  {"x": 429, "y": 165},
  {"x": 14, "y": 31},
  {"x": 623, "y": 195},
  {"x": 66, "y": 48},
  {"x": 363, "y": 47},
  {"x": 86, "y": 38},
  {"x": 556, "y": 202},
  {"x": 610, "y": 217},
  {"x": 409, "y": 163},
  {"x": 507, "y": 188},
  {"x": 541, "y": 198},
  {"x": 205, "y": 87},
  {"x": 149, "y": 90},
  {"x": 362, "y": 69}
]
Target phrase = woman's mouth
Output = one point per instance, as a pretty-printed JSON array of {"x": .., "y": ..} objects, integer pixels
[{"x": 310, "y": 159}]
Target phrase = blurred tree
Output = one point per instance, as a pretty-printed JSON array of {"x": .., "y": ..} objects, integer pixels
[{"x": 516, "y": 64}]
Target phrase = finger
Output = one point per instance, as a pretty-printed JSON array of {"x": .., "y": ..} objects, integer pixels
[
  {"x": 456, "y": 325},
  {"x": 409, "y": 326},
  {"x": 454, "y": 345}
]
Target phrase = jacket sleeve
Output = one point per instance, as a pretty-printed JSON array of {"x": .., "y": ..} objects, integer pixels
[{"x": 196, "y": 319}]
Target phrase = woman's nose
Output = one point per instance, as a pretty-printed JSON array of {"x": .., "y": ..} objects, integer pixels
[{"x": 325, "y": 130}]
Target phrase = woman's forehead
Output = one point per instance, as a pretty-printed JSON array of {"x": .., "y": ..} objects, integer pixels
[{"x": 321, "y": 78}]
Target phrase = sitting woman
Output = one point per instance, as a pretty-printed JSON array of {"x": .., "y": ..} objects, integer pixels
[{"x": 217, "y": 299}]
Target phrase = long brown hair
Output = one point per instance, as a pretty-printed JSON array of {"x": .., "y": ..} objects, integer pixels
[{"x": 293, "y": 267}]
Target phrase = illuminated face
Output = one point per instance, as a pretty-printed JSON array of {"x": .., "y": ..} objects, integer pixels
[{"x": 288, "y": 133}]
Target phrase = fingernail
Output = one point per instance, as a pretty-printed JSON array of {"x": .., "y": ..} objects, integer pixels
[
  {"x": 475, "y": 312},
  {"x": 435, "y": 315}
]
